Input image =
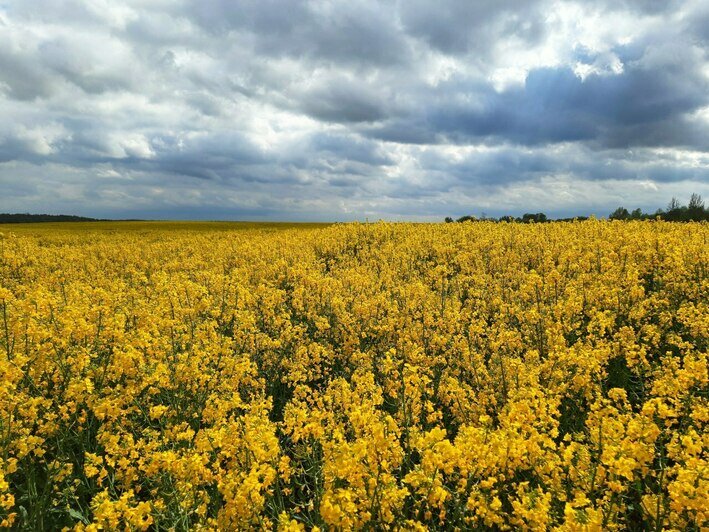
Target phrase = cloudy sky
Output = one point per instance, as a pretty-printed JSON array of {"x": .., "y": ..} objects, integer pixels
[{"x": 338, "y": 110}]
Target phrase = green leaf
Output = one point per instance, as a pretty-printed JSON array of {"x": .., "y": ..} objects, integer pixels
[{"x": 78, "y": 515}]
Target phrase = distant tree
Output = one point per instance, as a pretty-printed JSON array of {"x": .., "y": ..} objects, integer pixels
[
  {"x": 449, "y": 220},
  {"x": 621, "y": 213},
  {"x": 695, "y": 209},
  {"x": 696, "y": 203},
  {"x": 572, "y": 219},
  {"x": 34, "y": 218},
  {"x": 676, "y": 212},
  {"x": 673, "y": 205},
  {"x": 537, "y": 218}
]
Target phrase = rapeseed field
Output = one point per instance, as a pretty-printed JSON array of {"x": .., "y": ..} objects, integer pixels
[{"x": 354, "y": 376}]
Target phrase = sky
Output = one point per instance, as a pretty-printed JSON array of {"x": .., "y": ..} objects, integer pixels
[{"x": 351, "y": 110}]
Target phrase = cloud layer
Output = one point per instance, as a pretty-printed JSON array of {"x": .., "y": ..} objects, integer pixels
[{"x": 334, "y": 110}]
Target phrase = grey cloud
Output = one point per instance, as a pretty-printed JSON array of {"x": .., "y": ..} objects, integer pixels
[
  {"x": 205, "y": 103},
  {"x": 162, "y": 28},
  {"x": 306, "y": 109},
  {"x": 20, "y": 77},
  {"x": 457, "y": 27},
  {"x": 358, "y": 33},
  {"x": 220, "y": 157},
  {"x": 351, "y": 148},
  {"x": 645, "y": 6},
  {"x": 93, "y": 71},
  {"x": 344, "y": 101},
  {"x": 504, "y": 166},
  {"x": 405, "y": 130},
  {"x": 13, "y": 148},
  {"x": 500, "y": 167},
  {"x": 698, "y": 27},
  {"x": 69, "y": 12},
  {"x": 634, "y": 107}
]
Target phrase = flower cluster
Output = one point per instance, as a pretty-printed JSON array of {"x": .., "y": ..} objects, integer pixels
[{"x": 403, "y": 376}]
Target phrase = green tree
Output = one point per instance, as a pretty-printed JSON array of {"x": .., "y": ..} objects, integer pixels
[{"x": 621, "y": 213}]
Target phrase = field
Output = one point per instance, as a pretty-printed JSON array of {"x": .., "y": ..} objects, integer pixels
[{"x": 404, "y": 376}]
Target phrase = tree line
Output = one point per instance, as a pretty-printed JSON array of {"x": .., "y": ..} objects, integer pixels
[
  {"x": 7, "y": 218},
  {"x": 695, "y": 211}
]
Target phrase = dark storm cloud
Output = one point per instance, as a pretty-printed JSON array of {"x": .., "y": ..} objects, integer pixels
[
  {"x": 645, "y": 105},
  {"x": 331, "y": 109}
]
